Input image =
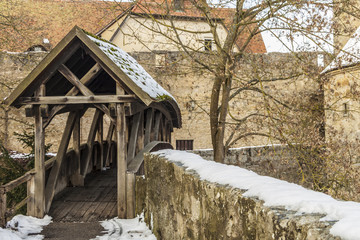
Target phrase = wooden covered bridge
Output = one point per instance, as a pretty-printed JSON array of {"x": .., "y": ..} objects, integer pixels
[{"x": 84, "y": 72}]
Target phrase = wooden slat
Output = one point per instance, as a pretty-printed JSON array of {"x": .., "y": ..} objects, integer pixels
[
  {"x": 121, "y": 160},
  {"x": 140, "y": 138},
  {"x": 90, "y": 141},
  {"x": 39, "y": 193},
  {"x": 77, "y": 179},
  {"x": 108, "y": 140},
  {"x": 134, "y": 135},
  {"x": 97, "y": 99},
  {"x": 157, "y": 126},
  {"x": 135, "y": 164},
  {"x": 148, "y": 126},
  {"x": 100, "y": 135},
  {"x": 61, "y": 155}
]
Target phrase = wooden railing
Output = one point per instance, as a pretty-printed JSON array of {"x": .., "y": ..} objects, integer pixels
[
  {"x": 135, "y": 166},
  {"x": 7, "y": 212}
]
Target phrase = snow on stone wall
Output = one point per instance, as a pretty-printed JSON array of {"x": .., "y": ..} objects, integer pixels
[{"x": 188, "y": 197}]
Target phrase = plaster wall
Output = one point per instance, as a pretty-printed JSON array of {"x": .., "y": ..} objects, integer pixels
[{"x": 138, "y": 34}]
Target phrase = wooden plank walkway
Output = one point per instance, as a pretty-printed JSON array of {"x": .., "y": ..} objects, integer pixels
[{"x": 94, "y": 202}]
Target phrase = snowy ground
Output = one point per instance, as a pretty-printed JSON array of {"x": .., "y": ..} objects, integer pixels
[
  {"x": 24, "y": 227},
  {"x": 126, "y": 229},
  {"x": 29, "y": 228},
  {"x": 275, "y": 192}
]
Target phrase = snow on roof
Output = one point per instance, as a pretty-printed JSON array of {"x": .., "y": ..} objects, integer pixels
[
  {"x": 349, "y": 55},
  {"x": 133, "y": 70},
  {"x": 275, "y": 192}
]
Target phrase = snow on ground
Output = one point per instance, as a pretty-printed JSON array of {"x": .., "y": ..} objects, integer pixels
[
  {"x": 24, "y": 227},
  {"x": 275, "y": 192},
  {"x": 126, "y": 229}
]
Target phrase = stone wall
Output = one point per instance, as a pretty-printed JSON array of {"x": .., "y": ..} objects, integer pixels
[
  {"x": 179, "y": 205},
  {"x": 276, "y": 161}
]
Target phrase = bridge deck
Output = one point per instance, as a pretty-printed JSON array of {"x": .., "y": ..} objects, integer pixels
[{"x": 93, "y": 202}]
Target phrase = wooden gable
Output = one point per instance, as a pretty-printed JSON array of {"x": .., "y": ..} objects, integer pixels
[{"x": 82, "y": 70}]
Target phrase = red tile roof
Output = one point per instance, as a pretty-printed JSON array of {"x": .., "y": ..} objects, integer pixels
[{"x": 52, "y": 19}]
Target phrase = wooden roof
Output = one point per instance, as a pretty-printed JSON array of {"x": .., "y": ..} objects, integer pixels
[{"x": 80, "y": 52}]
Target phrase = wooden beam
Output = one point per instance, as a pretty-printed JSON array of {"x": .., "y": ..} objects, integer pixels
[
  {"x": 157, "y": 126},
  {"x": 148, "y": 126},
  {"x": 108, "y": 140},
  {"x": 77, "y": 179},
  {"x": 82, "y": 88},
  {"x": 60, "y": 157},
  {"x": 121, "y": 160},
  {"x": 63, "y": 100},
  {"x": 140, "y": 138},
  {"x": 90, "y": 75},
  {"x": 39, "y": 193},
  {"x": 90, "y": 141},
  {"x": 100, "y": 135},
  {"x": 133, "y": 136}
]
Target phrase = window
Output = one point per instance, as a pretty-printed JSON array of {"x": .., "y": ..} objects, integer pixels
[
  {"x": 184, "y": 144},
  {"x": 208, "y": 44}
]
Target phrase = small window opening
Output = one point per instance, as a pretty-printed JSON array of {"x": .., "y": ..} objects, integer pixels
[
  {"x": 208, "y": 44},
  {"x": 346, "y": 109},
  {"x": 184, "y": 144}
]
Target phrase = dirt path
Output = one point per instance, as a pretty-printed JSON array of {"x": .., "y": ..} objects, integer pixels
[{"x": 72, "y": 231}]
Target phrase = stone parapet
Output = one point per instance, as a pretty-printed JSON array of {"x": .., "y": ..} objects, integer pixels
[{"x": 179, "y": 205}]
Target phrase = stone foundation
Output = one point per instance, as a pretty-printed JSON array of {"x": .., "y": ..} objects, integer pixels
[{"x": 178, "y": 205}]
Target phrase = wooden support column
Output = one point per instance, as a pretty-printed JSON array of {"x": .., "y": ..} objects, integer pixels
[
  {"x": 148, "y": 126},
  {"x": 77, "y": 179},
  {"x": 39, "y": 190},
  {"x": 133, "y": 136},
  {"x": 157, "y": 126},
  {"x": 31, "y": 193},
  {"x": 108, "y": 140},
  {"x": 60, "y": 157},
  {"x": 121, "y": 155},
  {"x": 90, "y": 141},
  {"x": 130, "y": 197},
  {"x": 100, "y": 136},
  {"x": 140, "y": 138}
]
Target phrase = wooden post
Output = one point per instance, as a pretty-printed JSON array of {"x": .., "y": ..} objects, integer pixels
[
  {"x": 133, "y": 136},
  {"x": 2, "y": 207},
  {"x": 121, "y": 155},
  {"x": 39, "y": 195},
  {"x": 130, "y": 197},
  {"x": 31, "y": 195},
  {"x": 90, "y": 141},
  {"x": 157, "y": 126},
  {"x": 100, "y": 135},
  {"x": 148, "y": 126},
  {"x": 108, "y": 140},
  {"x": 77, "y": 179},
  {"x": 140, "y": 138}
]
